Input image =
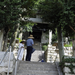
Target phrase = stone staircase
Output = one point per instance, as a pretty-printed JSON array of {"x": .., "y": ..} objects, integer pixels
[{"x": 36, "y": 68}]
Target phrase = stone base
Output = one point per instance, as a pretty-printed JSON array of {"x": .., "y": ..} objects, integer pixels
[
  {"x": 69, "y": 74},
  {"x": 2, "y": 73}
]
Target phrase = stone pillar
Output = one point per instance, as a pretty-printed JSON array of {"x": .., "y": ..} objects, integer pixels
[
  {"x": 66, "y": 40},
  {"x": 51, "y": 54},
  {"x": 50, "y": 37},
  {"x": 1, "y": 40},
  {"x": 49, "y": 47}
]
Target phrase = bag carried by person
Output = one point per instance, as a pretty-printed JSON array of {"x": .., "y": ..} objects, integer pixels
[{"x": 33, "y": 50}]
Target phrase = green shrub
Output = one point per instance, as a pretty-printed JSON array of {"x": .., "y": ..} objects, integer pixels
[
  {"x": 70, "y": 60},
  {"x": 44, "y": 46},
  {"x": 68, "y": 45}
]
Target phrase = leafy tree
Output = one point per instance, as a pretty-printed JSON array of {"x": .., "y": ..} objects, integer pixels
[
  {"x": 61, "y": 15},
  {"x": 11, "y": 12}
]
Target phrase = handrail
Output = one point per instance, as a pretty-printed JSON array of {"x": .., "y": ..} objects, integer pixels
[
  {"x": 9, "y": 61},
  {"x": 9, "y": 58},
  {"x": 4, "y": 55},
  {"x": 16, "y": 61}
]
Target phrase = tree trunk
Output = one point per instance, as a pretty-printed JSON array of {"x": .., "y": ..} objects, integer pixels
[
  {"x": 14, "y": 36},
  {"x": 14, "y": 40},
  {"x": 5, "y": 42},
  {"x": 73, "y": 43},
  {"x": 1, "y": 40},
  {"x": 5, "y": 37},
  {"x": 20, "y": 34},
  {"x": 73, "y": 46},
  {"x": 60, "y": 43}
]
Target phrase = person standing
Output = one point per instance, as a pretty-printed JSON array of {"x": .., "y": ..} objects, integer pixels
[
  {"x": 21, "y": 50},
  {"x": 29, "y": 44}
]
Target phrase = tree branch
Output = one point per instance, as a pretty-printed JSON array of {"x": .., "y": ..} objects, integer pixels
[{"x": 72, "y": 28}]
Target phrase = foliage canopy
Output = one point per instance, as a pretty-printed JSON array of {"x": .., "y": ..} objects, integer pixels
[
  {"x": 58, "y": 13},
  {"x": 12, "y": 10}
]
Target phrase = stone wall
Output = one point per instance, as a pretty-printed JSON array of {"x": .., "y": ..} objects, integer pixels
[
  {"x": 52, "y": 53},
  {"x": 68, "y": 51}
]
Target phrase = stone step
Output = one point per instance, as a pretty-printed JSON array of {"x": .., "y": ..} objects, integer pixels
[
  {"x": 36, "y": 72},
  {"x": 40, "y": 63},
  {"x": 36, "y": 68},
  {"x": 37, "y": 64}
]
